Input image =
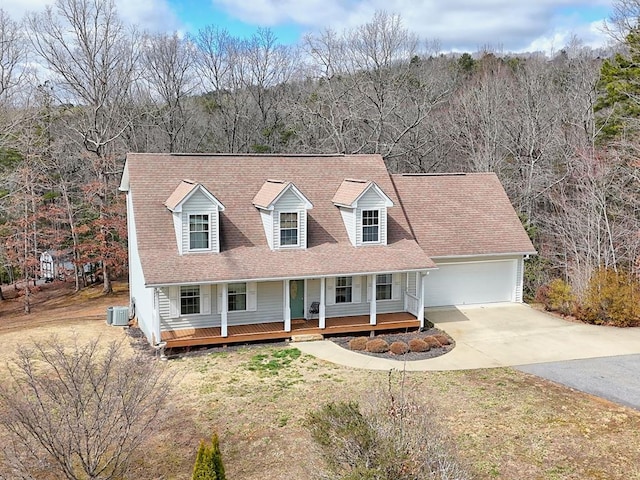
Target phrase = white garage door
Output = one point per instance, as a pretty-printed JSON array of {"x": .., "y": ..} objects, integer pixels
[{"x": 469, "y": 283}]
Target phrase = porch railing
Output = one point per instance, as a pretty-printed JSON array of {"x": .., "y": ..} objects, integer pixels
[{"x": 411, "y": 303}]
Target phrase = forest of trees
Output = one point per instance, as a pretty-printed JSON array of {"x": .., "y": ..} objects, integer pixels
[{"x": 79, "y": 88}]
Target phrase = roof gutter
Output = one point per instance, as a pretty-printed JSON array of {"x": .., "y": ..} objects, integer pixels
[
  {"x": 275, "y": 279},
  {"x": 480, "y": 255}
]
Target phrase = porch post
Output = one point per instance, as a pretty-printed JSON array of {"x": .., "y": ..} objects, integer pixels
[
  {"x": 420, "y": 292},
  {"x": 287, "y": 305},
  {"x": 321, "y": 312},
  {"x": 156, "y": 315},
  {"x": 373, "y": 300},
  {"x": 224, "y": 308}
]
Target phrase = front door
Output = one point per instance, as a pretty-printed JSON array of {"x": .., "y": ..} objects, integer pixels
[{"x": 296, "y": 298}]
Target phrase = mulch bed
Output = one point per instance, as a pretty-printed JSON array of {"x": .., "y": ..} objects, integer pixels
[{"x": 405, "y": 337}]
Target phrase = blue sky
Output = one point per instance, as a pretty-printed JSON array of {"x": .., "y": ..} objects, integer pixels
[{"x": 457, "y": 25}]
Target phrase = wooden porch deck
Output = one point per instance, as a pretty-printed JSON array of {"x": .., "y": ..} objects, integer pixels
[{"x": 275, "y": 331}]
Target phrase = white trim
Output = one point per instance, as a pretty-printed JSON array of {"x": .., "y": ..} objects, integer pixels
[
  {"x": 481, "y": 255},
  {"x": 297, "y": 244},
  {"x": 196, "y": 250},
  {"x": 207, "y": 193},
  {"x": 373, "y": 302},
  {"x": 224, "y": 308},
  {"x": 299, "y": 277},
  {"x": 287, "y": 305},
  {"x": 362, "y": 226}
]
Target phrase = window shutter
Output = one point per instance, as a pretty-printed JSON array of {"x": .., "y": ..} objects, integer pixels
[
  {"x": 219, "y": 298},
  {"x": 356, "y": 294},
  {"x": 396, "y": 289},
  {"x": 205, "y": 299},
  {"x": 252, "y": 296},
  {"x": 174, "y": 302},
  {"x": 330, "y": 285}
]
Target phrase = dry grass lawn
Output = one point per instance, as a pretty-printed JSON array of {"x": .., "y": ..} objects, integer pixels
[{"x": 505, "y": 424}]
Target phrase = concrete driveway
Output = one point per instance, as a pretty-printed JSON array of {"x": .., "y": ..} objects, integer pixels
[
  {"x": 498, "y": 336},
  {"x": 516, "y": 334}
]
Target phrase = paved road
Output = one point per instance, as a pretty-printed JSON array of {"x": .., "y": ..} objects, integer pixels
[{"x": 613, "y": 378}]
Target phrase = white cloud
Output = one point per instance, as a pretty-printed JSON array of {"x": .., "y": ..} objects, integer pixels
[
  {"x": 152, "y": 15},
  {"x": 457, "y": 24}
]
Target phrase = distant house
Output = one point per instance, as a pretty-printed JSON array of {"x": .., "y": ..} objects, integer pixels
[{"x": 230, "y": 248}]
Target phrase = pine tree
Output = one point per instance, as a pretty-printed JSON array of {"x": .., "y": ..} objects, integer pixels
[
  {"x": 208, "y": 464},
  {"x": 618, "y": 104}
]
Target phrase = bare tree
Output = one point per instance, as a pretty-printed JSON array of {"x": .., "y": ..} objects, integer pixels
[
  {"x": 169, "y": 63},
  {"x": 78, "y": 412},
  {"x": 93, "y": 60}
]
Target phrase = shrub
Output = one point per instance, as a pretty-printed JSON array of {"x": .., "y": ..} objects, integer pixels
[
  {"x": 612, "y": 298},
  {"x": 208, "y": 464},
  {"x": 418, "y": 345},
  {"x": 399, "y": 348},
  {"x": 442, "y": 339},
  {"x": 377, "y": 345},
  {"x": 432, "y": 341},
  {"x": 559, "y": 297},
  {"x": 395, "y": 438},
  {"x": 358, "y": 343}
]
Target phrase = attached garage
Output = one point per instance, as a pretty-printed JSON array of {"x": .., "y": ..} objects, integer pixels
[{"x": 467, "y": 283}]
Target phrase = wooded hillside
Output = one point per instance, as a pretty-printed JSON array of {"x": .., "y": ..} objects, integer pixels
[{"x": 79, "y": 89}]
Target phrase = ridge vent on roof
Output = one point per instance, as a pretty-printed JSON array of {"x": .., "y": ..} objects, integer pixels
[
  {"x": 292, "y": 155},
  {"x": 452, "y": 174},
  {"x": 355, "y": 180}
]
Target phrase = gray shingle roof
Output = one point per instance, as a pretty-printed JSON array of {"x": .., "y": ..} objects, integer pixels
[{"x": 235, "y": 180}]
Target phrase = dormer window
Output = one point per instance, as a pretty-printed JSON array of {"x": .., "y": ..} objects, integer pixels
[
  {"x": 370, "y": 226},
  {"x": 363, "y": 207},
  {"x": 289, "y": 229},
  {"x": 283, "y": 210},
  {"x": 196, "y": 218},
  {"x": 199, "y": 232}
]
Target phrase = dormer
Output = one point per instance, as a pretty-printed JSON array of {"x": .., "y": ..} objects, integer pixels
[
  {"x": 283, "y": 209},
  {"x": 363, "y": 206},
  {"x": 196, "y": 218}
]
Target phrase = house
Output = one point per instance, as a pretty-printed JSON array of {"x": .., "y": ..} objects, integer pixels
[{"x": 230, "y": 248}]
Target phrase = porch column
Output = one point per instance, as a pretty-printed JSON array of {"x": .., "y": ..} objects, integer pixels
[
  {"x": 420, "y": 292},
  {"x": 373, "y": 301},
  {"x": 322, "y": 322},
  {"x": 224, "y": 308},
  {"x": 156, "y": 315},
  {"x": 287, "y": 305}
]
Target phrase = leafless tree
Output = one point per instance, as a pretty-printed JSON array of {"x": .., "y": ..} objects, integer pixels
[
  {"x": 79, "y": 411},
  {"x": 93, "y": 61},
  {"x": 168, "y": 61}
]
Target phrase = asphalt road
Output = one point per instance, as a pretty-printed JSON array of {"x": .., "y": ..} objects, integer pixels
[{"x": 614, "y": 378}]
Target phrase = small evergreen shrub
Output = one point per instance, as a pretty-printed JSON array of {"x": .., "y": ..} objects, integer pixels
[
  {"x": 358, "y": 343},
  {"x": 399, "y": 348},
  {"x": 418, "y": 345},
  {"x": 377, "y": 345},
  {"x": 208, "y": 464},
  {"x": 442, "y": 339},
  {"x": 432, "y": 341},
  {"x": 560, "y": 297},
  {"x": 612, "y": 298}
]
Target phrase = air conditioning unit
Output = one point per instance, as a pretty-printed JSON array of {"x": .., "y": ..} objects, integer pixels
[
  {"x": 120, "y": 316},
  {"x": 109, "y": 315}
]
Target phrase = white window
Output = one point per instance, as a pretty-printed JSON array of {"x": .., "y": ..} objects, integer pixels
[
  {"x": 288, "y": 228},
  {"x": 199, "y": 232},
  {"x": 344, "y": 290},
  {"x": 370, "y": 226},
  {"x": 384, "y": 286},
  {"x": 190, "y": 300},
  {"x": 237, "y": 297}
]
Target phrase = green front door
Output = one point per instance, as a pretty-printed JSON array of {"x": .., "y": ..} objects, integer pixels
[{"x": 296, "y": 298}]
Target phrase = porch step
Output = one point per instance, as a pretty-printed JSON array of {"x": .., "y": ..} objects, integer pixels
[{"x": 307, "y": 337}]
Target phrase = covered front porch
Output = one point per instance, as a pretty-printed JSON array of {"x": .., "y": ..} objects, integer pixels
[{"x": 276, "y": 330}]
